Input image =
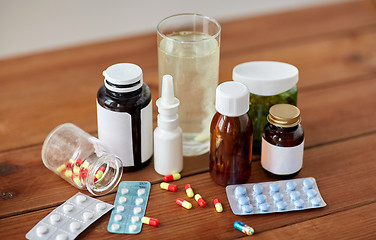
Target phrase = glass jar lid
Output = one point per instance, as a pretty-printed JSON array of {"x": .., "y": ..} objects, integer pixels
[
  {"x": 284, "y": 115},
  {"x": 266, "y": 78}
]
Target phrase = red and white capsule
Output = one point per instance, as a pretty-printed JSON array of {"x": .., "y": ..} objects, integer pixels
[
  {"x": 172, "y": 177},
  {"x": 218, "y": 205},
  {"x": 169, "y": 187},
  {"x": 150, "y": 221},
  {"x": 200, "y": 200}
]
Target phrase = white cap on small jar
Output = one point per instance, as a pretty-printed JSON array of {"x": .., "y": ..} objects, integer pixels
[
  {"x": 232, "y": 99},
  {"x": 123, "y": 77},
  {"x": 266, "y": 78}
]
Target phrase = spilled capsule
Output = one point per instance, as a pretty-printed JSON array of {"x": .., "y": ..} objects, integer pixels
[
  {"x": 183, "y": 203},
  {"x": 172, "y": 177},
  {"x": 189, "y": 190},
  {"x": 169, "y": 187},
  {"x": 218, "y": 205}
]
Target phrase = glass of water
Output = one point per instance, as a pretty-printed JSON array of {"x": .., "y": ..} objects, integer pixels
[{"x": 188, "y": 49}]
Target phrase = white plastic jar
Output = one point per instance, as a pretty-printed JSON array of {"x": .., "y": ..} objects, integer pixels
[{"x": 269, "y": 83}]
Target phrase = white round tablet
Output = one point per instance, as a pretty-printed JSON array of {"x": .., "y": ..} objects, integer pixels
[
  {"x": 124, "y": 191},
  {"x": 122, "y": 199},
  {"x": 120, "y": 208},
  {"x": 135, "y": 219},
  {"x": 74, "y": 226},
  {"x": 80, "y": 199},
  {"x": 132, "y": 227},
  {"x": 139, "y": 201},
  {"x": 41, "y": 230},
  {"x": 87, "y": 216},
  {"x": 115, "y": 226},
  {"x": 118, "y": 217},
  {"x": 68, "y": 208},
  {"x": 54, "y": 218},
  {"x": 100, "y": 206}
]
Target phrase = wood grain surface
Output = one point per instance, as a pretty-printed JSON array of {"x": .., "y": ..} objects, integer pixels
[{"x": 334, "y": 48}]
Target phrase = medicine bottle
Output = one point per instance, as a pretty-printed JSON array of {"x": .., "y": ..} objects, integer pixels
[
  {"x": 81, "y": 160},
  {"x": 283, "y": 142},
  {"x": 269, "y": 83},
  {"x": 231, "y": 135},
  {"x": 124, "y": 115},
  {"x": 168, "y": 136}
]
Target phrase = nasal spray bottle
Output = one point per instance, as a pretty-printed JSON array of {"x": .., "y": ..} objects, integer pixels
[{"x": 168, "y": 144}]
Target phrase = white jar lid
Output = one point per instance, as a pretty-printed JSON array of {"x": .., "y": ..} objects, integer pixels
[
  {"x": 123, "y": 77},
  {"x": 266, "y": 78},
  {"x": 232, "y": 99}
]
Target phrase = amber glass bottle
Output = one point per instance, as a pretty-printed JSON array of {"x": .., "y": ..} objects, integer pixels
[
  {"x": 231, "y": 135},
  {"x": 283, "y": 142}
]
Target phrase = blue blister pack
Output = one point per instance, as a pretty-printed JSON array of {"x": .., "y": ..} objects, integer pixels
[
  {"x": 68, "y": 220},
  {"x": 130, "y": 206},
  {"x": 278, "y": 196}
]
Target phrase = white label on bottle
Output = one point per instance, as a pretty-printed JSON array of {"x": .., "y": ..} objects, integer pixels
[
  {"x": 146, "y": 132},
  {"x": 115, "y": 132},
  {"x": 281, "y": 160}
]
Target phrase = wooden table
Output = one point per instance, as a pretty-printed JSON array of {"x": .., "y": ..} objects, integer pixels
[{"x": 334, "y": 48}]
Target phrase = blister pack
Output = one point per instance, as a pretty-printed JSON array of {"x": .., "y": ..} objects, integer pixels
[
  {"x": 68, "y": 220},
  {"x": 130, "y": 206},
  {"x": 278, "y": 196}
]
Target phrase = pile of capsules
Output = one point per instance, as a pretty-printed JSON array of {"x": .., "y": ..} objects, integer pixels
[
  {"x": 77, "y": 170},
  {"x": 189, "y": 191}
]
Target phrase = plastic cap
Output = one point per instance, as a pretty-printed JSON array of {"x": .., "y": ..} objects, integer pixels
[
  {"x": 266, "y": 78},
  {"x": 232, "y": 99},
  {"x": 123, "y": 77},
  {"x": 168, "y": 105}
]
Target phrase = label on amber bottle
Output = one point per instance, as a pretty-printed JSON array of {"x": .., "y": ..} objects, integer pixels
[{"x": 281, "y": 160}]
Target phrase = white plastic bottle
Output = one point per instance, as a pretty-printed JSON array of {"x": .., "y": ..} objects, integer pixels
[{"x": 168, "y": 144}]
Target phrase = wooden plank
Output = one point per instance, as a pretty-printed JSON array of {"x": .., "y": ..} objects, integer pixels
[
  {"x": 325, "y": 113},
  {"x": 292, "y": 26},
  {"x": 56, "y": 87},
  {"x": 321, "y": 62},
  {"x": 345, "y": 179},
  {"x": 362, "y": 225}
]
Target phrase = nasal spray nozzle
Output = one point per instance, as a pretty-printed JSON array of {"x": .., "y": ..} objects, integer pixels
[
  {"x": 168, "y": 105},
  {"x": 168, "y": 140}
]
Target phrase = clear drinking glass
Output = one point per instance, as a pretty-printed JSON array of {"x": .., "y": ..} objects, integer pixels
[
  {"x": 81, "y": 159},
  {"x": 188, "y": 49}
]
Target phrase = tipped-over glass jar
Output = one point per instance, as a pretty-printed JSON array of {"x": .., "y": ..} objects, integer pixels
[{"x": 81, "y": 159}]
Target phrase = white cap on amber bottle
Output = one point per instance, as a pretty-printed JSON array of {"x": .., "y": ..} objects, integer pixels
[{"x": 232, "y": 99}]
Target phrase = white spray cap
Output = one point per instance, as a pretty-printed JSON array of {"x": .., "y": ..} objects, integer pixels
[{"x": 167, "y": 104}]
